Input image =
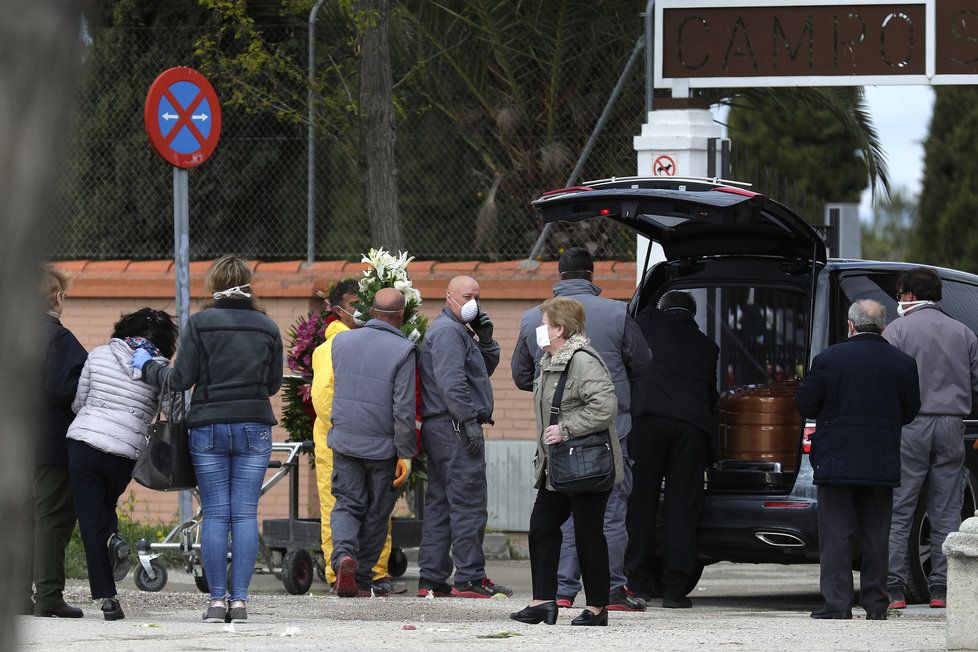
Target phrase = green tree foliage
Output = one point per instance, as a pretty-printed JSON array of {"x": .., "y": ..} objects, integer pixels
[
  {"x": 887, "y": 235},
  {"x": 523, "y": 84},
  {"x": 820, "y": 139},
  {"x": 947, "y": 231},
  {"x": 118, "y": 192}
]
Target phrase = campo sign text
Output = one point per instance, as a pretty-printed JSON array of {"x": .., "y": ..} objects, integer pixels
[{"x": 757, "y": 43}]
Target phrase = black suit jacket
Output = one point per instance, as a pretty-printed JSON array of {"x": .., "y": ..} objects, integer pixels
[
  {"x": 681, "y": 382},
  {"x": 861, "y": 391},
  {"x": 62, "y": 367}
]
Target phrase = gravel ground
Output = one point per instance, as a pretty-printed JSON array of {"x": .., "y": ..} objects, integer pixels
[{"x": 737, "y": 606}]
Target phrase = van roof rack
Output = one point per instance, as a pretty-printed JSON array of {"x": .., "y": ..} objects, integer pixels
[{"x": 714, "y": 180}]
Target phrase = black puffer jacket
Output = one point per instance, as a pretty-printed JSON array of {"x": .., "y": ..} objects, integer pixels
[
  {"x": 231, "y": 355},
  {"x": 862, "y": 391}
]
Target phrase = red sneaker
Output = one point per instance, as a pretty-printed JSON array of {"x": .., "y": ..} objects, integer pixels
[
  {"x": 346, "y": 578},
  {"x": 483, "y": 588},
  {"x": 437, "y": 589}
]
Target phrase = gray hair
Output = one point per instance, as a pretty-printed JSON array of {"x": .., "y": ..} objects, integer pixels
[{"x": 867, "y": 316}]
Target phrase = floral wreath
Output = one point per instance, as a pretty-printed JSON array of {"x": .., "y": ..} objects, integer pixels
[{"x": 309, "y": 331}]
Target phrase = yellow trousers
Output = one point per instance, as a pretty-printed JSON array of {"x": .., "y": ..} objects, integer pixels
[{"x": 324, "y": 476}]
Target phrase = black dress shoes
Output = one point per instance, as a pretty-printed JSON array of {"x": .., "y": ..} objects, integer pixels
[
  {"x": 590, "y": 619},
  {"x": 682, "y": 602},
  {"x": 63, "y": 610},
  {"x": 112, "y": 610},
  {"x": 542, "y": 613},
  {"x": 876, "y": 615},
  {"x": 825, "y": 614}
]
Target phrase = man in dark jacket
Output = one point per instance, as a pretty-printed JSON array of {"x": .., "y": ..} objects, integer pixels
[
  {"x": 372, "y": 437},
  {"x": 861, "y": 391},
  {"x": 54, "y": 511},
  {"x": 619, "y": 342},
  {"x": 674, "y": 404}
]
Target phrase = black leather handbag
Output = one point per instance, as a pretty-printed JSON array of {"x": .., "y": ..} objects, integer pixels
[
  {"x": 580, "y": 465},
  {"x": 165, "y": 464}
]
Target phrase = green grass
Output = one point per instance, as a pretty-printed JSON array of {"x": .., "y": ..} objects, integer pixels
[{"x": 130, "y": 530}]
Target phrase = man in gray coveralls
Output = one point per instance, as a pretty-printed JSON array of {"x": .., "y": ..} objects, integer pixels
[
  {"x": 372, "y": 437},
  {"x": 457, "y": 359}
]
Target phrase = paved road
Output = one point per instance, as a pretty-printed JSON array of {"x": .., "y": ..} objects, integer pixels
[{"x": 743, "y": 607}]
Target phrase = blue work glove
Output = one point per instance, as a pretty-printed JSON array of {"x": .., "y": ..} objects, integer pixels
[
  {"x": 140, "y": 358},
  {"x": 472, "y": 438}
]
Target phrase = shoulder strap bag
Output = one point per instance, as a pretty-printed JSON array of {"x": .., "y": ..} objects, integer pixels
[
  {"x": 165, "y": 464},
  {"x": 580, "y": 465}
]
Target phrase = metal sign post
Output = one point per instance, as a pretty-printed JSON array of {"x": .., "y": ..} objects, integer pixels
[
  {"x": 183, "y": 120},
  {"x": 181, "y": 268}
]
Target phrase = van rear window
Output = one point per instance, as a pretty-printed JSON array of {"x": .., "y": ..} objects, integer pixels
[{"x": 762, "y": 332}]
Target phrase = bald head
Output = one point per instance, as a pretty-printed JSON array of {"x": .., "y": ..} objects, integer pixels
[
  {"x": 388, "y": 306},
  {"x": 866, "y": 316},
  {"x": 461, "y": 290}
]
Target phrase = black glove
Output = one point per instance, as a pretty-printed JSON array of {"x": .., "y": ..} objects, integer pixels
[
  {"x": 472, "y": 437},
  {"x": 483, "y": 328}
]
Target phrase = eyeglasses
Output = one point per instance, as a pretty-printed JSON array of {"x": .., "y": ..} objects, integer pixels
[{"x": 899, "y": 294}]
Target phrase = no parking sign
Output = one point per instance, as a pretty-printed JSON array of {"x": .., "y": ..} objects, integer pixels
[{"x": 183, "y": 117}]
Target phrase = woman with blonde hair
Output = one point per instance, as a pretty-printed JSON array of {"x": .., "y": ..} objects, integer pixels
[
  {"x": 231, "y": 354},
  {"x": 588, "y": 405}
]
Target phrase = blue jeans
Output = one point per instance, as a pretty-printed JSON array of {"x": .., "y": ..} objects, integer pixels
[{"x": 230, "y": 460}]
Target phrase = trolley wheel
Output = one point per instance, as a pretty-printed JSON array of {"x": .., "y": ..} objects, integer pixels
[
  {"x": 146, "y": 583},
  {"x": 397, "y": 563},
  {"x": 201, "y": 582},
  {"x": 298, "y": 571}
]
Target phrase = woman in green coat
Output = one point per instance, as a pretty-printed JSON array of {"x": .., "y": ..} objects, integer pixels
[{"x": 588, "y": 405}]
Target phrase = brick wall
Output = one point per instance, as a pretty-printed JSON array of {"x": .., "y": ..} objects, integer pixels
[{"x": 101, "y": 291}]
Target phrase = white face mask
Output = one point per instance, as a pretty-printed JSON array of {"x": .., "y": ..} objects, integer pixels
[
  {"x": 237, "y": 290},
  {"x": 468, "y": 310},
  {"x": 356, "y": 318},
  {"x": 903, "y": 307},
  {"x": 543, "y": 336}
]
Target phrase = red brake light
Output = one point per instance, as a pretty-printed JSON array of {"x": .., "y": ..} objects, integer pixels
[
  {"x": 560, "y": 191},
  {"x": 806, "y": 440},
  {"x": 604, "y": 211},
  {"x": 787, "y": 504},
  {"x": 736, "y": 191}
]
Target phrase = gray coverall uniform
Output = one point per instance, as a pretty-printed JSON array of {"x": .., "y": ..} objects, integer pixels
[
  {"x": 455, "y": 389},
  {"x": 932, "y": 445},
  {"x": 373, "y": 426},
  {"x": 619, "y": 341}
]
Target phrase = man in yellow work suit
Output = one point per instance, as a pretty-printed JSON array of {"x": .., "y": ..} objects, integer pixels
[{"x": 342, "y": 297}]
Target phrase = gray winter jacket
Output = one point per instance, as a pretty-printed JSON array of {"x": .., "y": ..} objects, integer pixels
[
  {"x": 946, "y": 352},
  {"x": 455, "y": 372},
  {"x": 113, "y": 410},
  {"x": 373, "y": 393},
  {"x": 612, "y": 333}
]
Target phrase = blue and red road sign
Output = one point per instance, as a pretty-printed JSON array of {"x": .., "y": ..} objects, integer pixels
[{"x": 183, "y": 117}]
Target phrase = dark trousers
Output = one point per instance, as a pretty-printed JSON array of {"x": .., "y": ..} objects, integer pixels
[
  {"x": 455, "y": 507},
  {"x": 365, "y": 499},
  {"x": 847, "y": 513},
  {"x": 673, "y": 450},
  {"x": 97, "y": 481},
  {"x": 550, "y": 511},
  {"x": 54, "y": 520}
]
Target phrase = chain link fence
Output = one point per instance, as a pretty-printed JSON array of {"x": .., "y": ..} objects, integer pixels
[{"x": 114, "y": 198}]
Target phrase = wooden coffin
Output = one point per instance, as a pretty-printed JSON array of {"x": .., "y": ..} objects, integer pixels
[{"x": 761, "y": 424}]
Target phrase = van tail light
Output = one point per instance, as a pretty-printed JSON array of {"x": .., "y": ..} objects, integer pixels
[
  {"x": 787, "y": 504},
  {"x": 806, "y": 440}
]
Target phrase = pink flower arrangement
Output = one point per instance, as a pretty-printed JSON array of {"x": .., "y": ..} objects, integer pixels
[{"x": 305, "y": 335}]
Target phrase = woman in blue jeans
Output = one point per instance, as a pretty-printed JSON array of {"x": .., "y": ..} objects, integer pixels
[{"x": 231, "y": 354}]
